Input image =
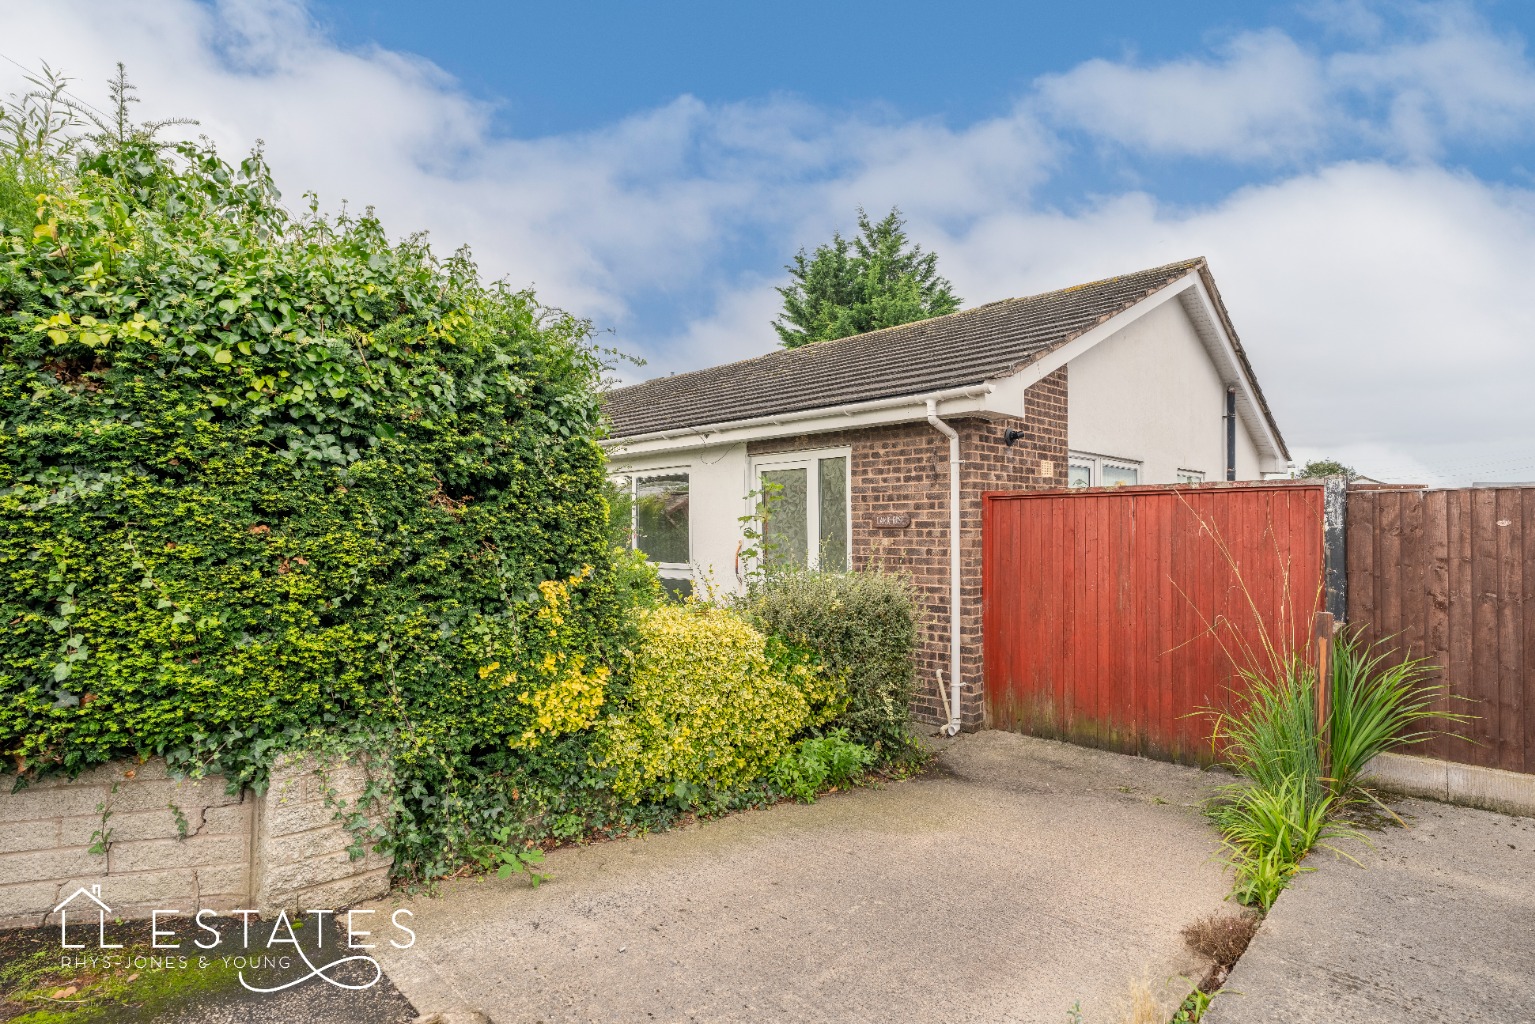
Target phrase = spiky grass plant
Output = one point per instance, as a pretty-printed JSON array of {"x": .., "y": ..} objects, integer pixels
[
  {"x": 1269, "y": 823},
  {"x": 1379, "y": 703},
  {"x": 1268, "y": 830},
  {"x": 1271, "y": 737},
  {"x": 1286, "y": 807}
]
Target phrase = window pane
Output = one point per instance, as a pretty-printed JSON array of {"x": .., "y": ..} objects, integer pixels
[
  {"x": 620, "y": 495},
  {"x": 661, "y": 517},
  {"x": 833, "y": 481},
  {"x": 785, "y": 533},
  {"x": 1189, "y": 476},
  {"x": 1120, "y": 476},
  {"x": 677, "y": 590},
  {"x": 1079, "y": 474}
]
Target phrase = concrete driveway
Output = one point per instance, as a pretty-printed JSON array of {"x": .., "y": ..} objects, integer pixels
[
  {"x": 1020, "y": 877},
  {"x": 1439, "y": 925}
]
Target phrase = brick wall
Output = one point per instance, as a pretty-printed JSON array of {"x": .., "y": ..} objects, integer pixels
[
  {"x": 905, "y": 468},
  {"x": 178, "y": 844}
]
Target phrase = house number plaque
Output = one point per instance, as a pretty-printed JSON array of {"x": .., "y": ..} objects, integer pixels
[{"x": 892, "y": 520}]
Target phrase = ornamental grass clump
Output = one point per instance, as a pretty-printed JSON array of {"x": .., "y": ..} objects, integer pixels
[
  {"x": 1380, "y": 702},
  {"x": 1272, "y": 821},
  {"x": 1289, "y": 802},
  {"x": 1297, "y": 780}
]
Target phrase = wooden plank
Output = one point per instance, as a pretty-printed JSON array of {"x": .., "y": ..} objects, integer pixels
[
  {"x": 1164, "y": 612},
  {"x": 1461, "y": 744},
  {"x": 1117, "y": 689},
  {"x": 1062, "y": 583},
  {"x": 1103, "y": 597},
  {"x": 1081, "y": 616},
  {"x": 1359, "y": 517},
  {"x": 1436, "y": 606},
  {"x": 1134, "y": 712},
  {"x": 1205, "y": 591},
  {"x": 1410, "y": 574},
  {"x": 1527, "y": 612},
  {"x": 1483, "y": 682},
  {"x": 1181, "y": 623},
  {"x": 1507, "y": 525},
  {"x": 1087, "y": 610},
  {"x": 1010, "y": 611},
  {"x": 1389, "y": 575},
  {"x": 996, "y": 681}
]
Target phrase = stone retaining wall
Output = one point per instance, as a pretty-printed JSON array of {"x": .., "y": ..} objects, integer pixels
[{"x": 151, "y": 841}]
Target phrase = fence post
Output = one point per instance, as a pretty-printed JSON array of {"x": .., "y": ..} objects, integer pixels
[
  {"x": 1334, "y": 545},
  {"x": 1322, "y": 630}
]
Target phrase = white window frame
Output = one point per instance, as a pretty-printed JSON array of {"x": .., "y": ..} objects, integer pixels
[
  {"x": 810, "y": 462},
  {"x": 1097, "y": 463},
  {"x": 1194, "y": 476},
  {"x": 666, "y": 570}
]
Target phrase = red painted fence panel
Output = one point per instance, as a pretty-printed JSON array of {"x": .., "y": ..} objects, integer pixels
[{"x": 1117, "y": 617}]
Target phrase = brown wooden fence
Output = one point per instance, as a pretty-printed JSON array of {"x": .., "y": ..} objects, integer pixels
[{"x": 1450, "y": 575}]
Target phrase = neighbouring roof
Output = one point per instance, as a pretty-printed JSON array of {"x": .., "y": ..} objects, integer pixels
[{"x": 964, "y": 348}]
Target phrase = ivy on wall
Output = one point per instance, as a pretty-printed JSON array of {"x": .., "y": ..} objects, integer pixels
[{"x": 267, "y": 477}]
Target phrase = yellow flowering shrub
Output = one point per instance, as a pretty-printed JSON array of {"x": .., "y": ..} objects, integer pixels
[
  {"x": 554, "y": 692},
  {"x": 709, "y": 704}
]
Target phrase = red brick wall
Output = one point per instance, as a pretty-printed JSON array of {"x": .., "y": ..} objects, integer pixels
[{"x": 905, "y": 468}]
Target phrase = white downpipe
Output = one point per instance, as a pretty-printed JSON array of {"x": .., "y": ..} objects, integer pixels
[{"x": 943, "y": 428}]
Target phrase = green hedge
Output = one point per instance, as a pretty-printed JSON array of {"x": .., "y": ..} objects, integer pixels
[
  {"x": 861, "y": 625},
  {"x": 269, "y": 480}
]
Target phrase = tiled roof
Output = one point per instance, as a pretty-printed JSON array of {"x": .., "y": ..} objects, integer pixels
[{"x": 951, "y": 351}]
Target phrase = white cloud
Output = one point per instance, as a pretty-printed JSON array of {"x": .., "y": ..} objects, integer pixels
[
  {"x": 1263, "y": 98},
  {"x": 1456, "y": 80},
  {"x": 1386, "y": 306}
]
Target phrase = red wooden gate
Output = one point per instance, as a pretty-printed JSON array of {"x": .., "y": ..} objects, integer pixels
[{"x": 1114, "y": 617}]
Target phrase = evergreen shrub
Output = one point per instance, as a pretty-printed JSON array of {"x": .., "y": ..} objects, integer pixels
[
  {"x": 712, "y": 704},
  {"x": 861, "y": 626},
  {"x": 269, "y": 480}
]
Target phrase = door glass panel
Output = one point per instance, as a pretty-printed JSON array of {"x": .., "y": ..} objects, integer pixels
[
  {"x": 833, "y": 498},
  {"x": 1080, "y": 474},
  {"x": 785, "y": 530},
  {"x": 661, "y": 517},
  {"x": 1120, "y": 476}
]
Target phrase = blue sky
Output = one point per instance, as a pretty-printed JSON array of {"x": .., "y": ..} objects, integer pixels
[
  {"x": 960, "y": 61},
  {"x": 558, "y": 68},
  {"x": 1361, "y": 173}
]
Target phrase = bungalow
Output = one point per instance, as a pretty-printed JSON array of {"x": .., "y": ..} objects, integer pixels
[{"x": 878, "y": 447}]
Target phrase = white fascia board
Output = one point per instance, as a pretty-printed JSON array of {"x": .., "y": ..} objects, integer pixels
[{"x": 965, "y": 401}]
